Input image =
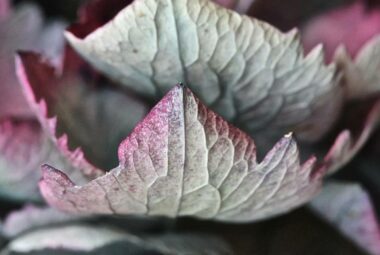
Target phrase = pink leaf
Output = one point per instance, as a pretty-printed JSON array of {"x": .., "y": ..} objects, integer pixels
[
  {"x": 22, "y": 28},
  {"x": 351, "y": 26},
  {"x": 85, "y": 108},
  {"x": 183, "y": 159}
]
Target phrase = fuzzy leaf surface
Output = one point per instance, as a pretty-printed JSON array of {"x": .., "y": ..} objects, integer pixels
[
  {"x": 185, "y": 160},
  {"x": 244, "y": 69}
]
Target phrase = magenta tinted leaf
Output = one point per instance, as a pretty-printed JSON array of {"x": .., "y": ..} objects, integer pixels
[
  {"x": 356, "y": 30},
  {"x": 85, "y": 108},
  {"x": 23, "y": 148},
  {"x": 22, "y": 145},
  {"x": 23, "y": 28},
  {"x": 183, "y": 159},
  {"x": 351, "y": 26}
]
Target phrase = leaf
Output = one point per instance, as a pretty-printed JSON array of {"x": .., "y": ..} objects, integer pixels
[
  {"x": 87, "y": 239},
  {"x": 346, "y": 146},
  {"x": 352, "y": 25},
  {"x": 23, "y": 148},
  {"x": 86, "y": 108},
  {"x": 361, "y": 73},
  {"x": 356, "y": 29},
  {"x": 31, "y": 217},
  {"x": 80, "y": 238},
  {"x": 244, "y": 69},
  {"x": 23, "y": 28},
  {"x": 348, "y": 207},
  {"x": 183, "y": 159}
]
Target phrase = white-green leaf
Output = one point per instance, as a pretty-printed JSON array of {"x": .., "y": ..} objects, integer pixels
[
  {"x": 362, "y": 73},
  {"x": 244, "y": 69},
  {"x": 184, "y": 160}
]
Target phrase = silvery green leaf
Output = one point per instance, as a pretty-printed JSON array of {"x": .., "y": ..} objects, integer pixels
[
  {"x": 244, "y": 69},
  {"x": 88, "y": 239},
  {"x": 185, "y": 160},
  {"x": 86, "y": 108}
]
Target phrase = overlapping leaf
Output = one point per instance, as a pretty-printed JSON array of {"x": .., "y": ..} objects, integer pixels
[
  {"x": 183, "y": 159},
  {"x": 246, "y": 70},
  {"x": 32, "y": 217},
  {"x": 348, "y": 207},
  {"x": 23, "y": 146},
  {"x": 347, "y": 145},
  {"x": 355, "y": 28},
  {"x": 23, "y": 28},
  {"x": 87, "y": 239},
  {"x": 83, "y": 108}
]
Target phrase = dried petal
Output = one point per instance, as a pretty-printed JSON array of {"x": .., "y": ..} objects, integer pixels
[{"x": 23, "y": 29}]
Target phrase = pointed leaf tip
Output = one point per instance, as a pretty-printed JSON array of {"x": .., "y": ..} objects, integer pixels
[
  {"x": 184, "y": 159},
  {"x": 232, "y": 62}
]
